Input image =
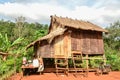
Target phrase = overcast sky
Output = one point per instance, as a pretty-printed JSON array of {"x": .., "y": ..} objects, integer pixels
[{"x": 100, "y": 12}]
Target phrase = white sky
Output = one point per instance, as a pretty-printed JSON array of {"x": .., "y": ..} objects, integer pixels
[{"x": 100, "y": 12}]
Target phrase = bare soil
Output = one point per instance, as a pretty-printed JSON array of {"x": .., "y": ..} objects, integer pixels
[{"x": 52, "y": 76}]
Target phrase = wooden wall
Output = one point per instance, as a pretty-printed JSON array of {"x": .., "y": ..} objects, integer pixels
[
  {"x": 45, "y": 50},
  {"x": 76, "y": 40},
  {"x": 62, "y": 45},
  {"x": 90, "y": 42}
]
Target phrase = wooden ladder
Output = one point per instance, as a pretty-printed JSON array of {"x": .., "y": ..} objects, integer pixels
[
  {"x": 77, "y": 63},
  {"x": 61, "y": 64}
]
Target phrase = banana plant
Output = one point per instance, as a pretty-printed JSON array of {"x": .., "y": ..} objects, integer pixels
[{"x": 6, "y": 45}]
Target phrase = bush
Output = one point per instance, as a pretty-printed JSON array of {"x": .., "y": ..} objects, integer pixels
[
  {"x": 114, "y": 61},
  {"x": 113, "y": 58},
  {"x": 5, "y": 66}
]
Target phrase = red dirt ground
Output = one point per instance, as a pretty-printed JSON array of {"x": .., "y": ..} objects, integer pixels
[{"x": 52, "y": 76}]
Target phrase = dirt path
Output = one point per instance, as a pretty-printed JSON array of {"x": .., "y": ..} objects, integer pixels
[{"x": 52, "y": 76}]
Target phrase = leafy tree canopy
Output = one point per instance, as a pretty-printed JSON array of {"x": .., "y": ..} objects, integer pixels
[{"x": 113, "y": 37}]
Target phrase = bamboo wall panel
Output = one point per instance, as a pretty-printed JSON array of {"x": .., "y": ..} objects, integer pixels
[
  {"x": 67, "y": 44},
  {"x": 73, "y": 41},
  {"x": 59, "y": 46},
  {"x": 62, "y": 45},
  {"x": 94, "y": 43},
  {"x": 88, "y": 38},
  {"x": 45, "y": 50},
  {"x": 76, "y": 41},
  {"x": 56, "y": 46},
  {"x": 100, "y": 42},
  {"x": 86, "y": 42},
  {"x": 89, "y": 42},
  {"x": 80, "y": 41}
]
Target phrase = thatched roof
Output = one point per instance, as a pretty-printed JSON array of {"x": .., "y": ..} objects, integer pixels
[
  {"x": 49, "y": 37},
  {"x": 66, "y": 22},
  {"x": 77, "y": 24}
]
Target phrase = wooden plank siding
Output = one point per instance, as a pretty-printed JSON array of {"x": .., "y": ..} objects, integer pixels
[
  {"x": 67, "y": 40},
  {"x": 94, "y": 43},
  {"x": 58, "y": 46},
  {"x": 45, "y": 50},
  {"x": 86, "y": 42},
  {"x": 89, "y": 42},
  {"x": 62, "y": 45},
  {"x": 76, "y": 44},
  {"x": 100, "y": 43}
]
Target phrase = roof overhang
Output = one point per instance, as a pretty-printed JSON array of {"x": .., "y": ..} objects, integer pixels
[{"x": 49, "y": 37}]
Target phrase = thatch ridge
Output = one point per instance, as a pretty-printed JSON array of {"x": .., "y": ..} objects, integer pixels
[{"x": 77, "y": 24}]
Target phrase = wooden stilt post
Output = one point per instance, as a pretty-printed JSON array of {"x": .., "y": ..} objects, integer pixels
[
  {"x": 104, "y": 59},
  {"x": 87, "y": 67},
  {"x": 87, "y": 61}
]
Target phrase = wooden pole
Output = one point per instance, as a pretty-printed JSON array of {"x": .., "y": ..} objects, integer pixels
[
  {"x": 87, "y": 62},
  {"x": 87, "y": 67},
  {"x": 104, "y": 59}
]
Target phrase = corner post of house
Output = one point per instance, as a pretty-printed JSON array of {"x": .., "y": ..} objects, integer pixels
[
  {"x": 87, "y": 67},
  {"x": 104, "y": 59}
]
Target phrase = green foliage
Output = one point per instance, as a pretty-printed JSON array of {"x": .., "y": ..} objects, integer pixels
[
  {"x": 20, "y": 30},
  {"x": 93, "y": 63},
  {"x": 40, "y": 33},
  {"x": 6, "y": 44},
  {"x": 112, "y": 45},
  {"x": 112, "y": 58},
  {"x": 6, "y": 66},
  {"x": 112, "y": 39},
  {"x": 14, "y": 50},
  {"x": 14, "y": 37}
]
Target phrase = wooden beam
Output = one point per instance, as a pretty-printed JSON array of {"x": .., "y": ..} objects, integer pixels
[
  {"x": 79, "y": 52},
  {"x": 84, "y": 58}
]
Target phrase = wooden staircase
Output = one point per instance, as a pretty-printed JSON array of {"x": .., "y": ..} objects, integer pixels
[
  {"x": 77, "y": 63},
  {"x": 61, "y": 64}
]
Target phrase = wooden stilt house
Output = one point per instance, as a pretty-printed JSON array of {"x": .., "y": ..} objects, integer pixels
[{"x": 67, "y": 36}]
